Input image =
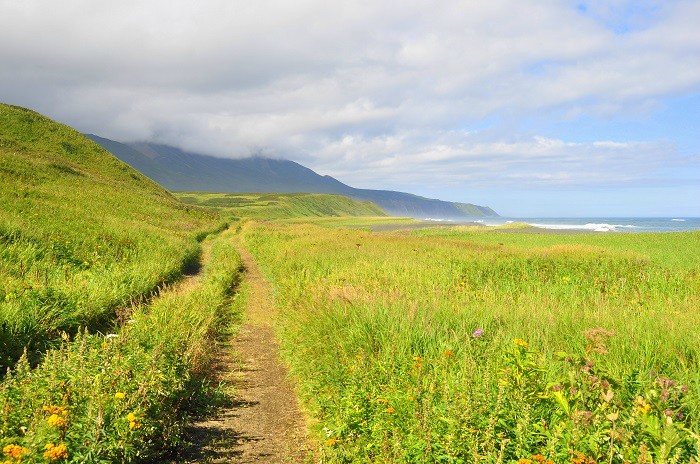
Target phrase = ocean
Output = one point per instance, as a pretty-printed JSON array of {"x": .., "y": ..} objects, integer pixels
[{"x": 600, "y": 224}]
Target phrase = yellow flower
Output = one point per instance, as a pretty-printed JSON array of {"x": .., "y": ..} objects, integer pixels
[
  {"x": 418, "y": 359},
  {"x": 449, "y": 353},
  {"x": 55, "y": 420},
  {"x": 520, "y": 342},
  {"x": 389, "y": 410},
  {"x": 14, "y": 451},
  {"x": 578, "y": 458},
  {"x": 524, "y": 461},
  {"x": 54, "y": 453},
  {"x": 133, "y": 422},
  {"x": 331, "y": 442},
  {"x": 642, "y": 406},
  {"x": 55, "y": 410},
  {"x": 119, "y": 396}
]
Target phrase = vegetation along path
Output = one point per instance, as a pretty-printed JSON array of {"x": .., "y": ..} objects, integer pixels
[{"x": 264, "y": 423}]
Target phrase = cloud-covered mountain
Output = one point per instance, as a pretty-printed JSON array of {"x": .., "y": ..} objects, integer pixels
[{"x": 178, "y": 170}]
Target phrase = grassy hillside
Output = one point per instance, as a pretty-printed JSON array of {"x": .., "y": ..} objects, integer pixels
[
  {"x": 282, "y": 206},
  {"x": 490, "y": 346},
  {"x": 81, "y": 234}
]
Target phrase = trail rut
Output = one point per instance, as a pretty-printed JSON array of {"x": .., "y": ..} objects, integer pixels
[{"x": 264, "y": 423}]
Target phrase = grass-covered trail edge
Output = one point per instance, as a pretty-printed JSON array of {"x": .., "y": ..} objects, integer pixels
[{"x": 125, "y": 396}]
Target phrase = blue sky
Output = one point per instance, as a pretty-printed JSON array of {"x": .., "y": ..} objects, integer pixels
[{"x": 557, "y": 108}]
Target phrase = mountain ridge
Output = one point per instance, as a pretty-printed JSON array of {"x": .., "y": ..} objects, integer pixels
[{"x": 179, "y": 170}]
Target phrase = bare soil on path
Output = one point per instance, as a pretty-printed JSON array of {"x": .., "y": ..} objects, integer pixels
[{"x": 263, "y": 424}]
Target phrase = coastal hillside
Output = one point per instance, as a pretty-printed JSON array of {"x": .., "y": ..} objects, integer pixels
[
  {"x": 81, "y": 234},
  {"x": 178, "y": 170},
  {"x": 282, "y": 205}
]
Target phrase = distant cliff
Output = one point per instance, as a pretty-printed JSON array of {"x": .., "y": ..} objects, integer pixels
[{"x": 182, "y": 171}]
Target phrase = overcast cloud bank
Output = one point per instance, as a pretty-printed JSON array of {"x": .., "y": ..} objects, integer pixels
[{"x": 400, "y": 95}]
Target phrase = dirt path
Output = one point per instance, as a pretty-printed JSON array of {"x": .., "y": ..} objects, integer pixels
[{"x": 264, "y": 423}]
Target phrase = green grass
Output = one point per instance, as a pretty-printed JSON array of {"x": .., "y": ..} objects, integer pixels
[
  {"x": 90, "y": 246},
  {"x": 589, "y": 343},
  {"x": 667, "y": 249},
  {"x": 271, "y": 206},
  {"x": 81, "y": 234},
  {"x": 125, "y": 397}
]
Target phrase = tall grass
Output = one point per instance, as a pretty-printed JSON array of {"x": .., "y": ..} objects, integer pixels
[
  {"x": 81, "y": 234},
  {"x": 447, "y": 349},
  {"x": 122, "y": 397}
]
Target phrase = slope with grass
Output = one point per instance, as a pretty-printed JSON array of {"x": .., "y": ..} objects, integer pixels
[
  {"x": 81, "y": 234},
  {"x": 282, "y": 205},
  {"x": 490, "y": 346}
]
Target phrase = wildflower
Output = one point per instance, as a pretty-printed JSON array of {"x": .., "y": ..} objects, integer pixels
[
  {"x": 524, "y": 461},
  {"x": 382, "y": 400},
  {"x": 14, "y": 451},
  {"x": 54, "y": 453},
  {"x": 331, "y": 441},
  {"x": 133, "y": 421},
  {"x": 418, "y": 359},
  {"x": 477, "y": 333},
  {"x": 642, "y": 407},
  {"x": 449, "y": 353},
  {"x": 579, "y": 458},
  {"x": 119, "y": 396},
  {"x": 389, "y": 410},
  {"x": 538, "y": 458},
  {"x": 59, "y": 410},
  {"x": 55, "y": 420},
  {"x": 520, "y": 342},
  {"x": 111, "y": 336}
]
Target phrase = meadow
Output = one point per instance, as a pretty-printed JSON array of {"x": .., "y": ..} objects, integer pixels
[
  {"x": 271, "y": 206},
  {"x": 471, "y": 345}
]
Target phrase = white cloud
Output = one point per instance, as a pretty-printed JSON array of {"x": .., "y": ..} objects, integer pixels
[
  {"x": 375, "y": 92},
  {"x": 470, "y": 158}
]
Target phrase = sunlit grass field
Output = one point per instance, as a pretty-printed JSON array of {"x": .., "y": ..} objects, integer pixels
[
  {"x": 469, "y": 345},
  {"x": 269, "y": 206}
]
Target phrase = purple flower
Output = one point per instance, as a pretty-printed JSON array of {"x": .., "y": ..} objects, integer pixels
[{"x": 477, "y": 333}]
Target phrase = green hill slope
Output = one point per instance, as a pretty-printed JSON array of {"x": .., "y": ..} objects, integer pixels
[
  {"x": 283, "y": 205},
  {"x": 81, "y": 233}
]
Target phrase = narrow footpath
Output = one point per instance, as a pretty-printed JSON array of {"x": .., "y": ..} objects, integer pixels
[{"x": 264, "y": 423}]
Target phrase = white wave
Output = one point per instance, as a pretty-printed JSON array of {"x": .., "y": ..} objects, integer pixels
[
  {"x": 590, "y": 226},
  {"x": 439, "y": 220},
  {"x": 678, "y": 220}
]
